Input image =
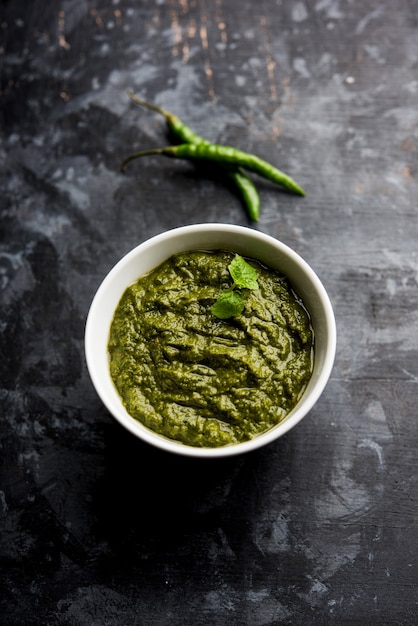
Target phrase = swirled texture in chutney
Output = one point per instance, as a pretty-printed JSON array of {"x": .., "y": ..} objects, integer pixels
[{"x": 200, "y": 380}]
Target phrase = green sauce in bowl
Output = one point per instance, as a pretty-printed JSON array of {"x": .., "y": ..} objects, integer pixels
[{"x": 199, "y": 380}]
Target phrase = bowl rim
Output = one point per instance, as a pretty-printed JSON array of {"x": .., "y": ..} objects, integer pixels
[{"x": 304, "y": 405}]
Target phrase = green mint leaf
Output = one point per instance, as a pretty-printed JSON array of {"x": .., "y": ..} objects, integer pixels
[
  {"x": 229, "y": 304},
  {"x": 243, "y": 274}
]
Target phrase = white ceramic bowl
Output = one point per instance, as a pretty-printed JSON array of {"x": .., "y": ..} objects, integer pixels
[{"x": 239, "y": 239}]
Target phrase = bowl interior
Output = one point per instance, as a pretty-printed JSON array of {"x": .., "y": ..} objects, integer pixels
[{"x": 244, "y": 241}]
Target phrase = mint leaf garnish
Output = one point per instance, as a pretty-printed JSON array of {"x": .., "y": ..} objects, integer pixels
[
  {"x": 231, "y": 301},
  {"x": 243, "y": 274},
  {"x": 229, "y": 304}
]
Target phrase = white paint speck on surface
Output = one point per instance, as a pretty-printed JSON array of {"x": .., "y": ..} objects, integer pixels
[
  {"x": 299, "y": 65},
  {"x": 299, "y": 12}
]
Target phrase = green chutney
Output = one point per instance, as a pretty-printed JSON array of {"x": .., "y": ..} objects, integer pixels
[{"x": 200, "y": 380}]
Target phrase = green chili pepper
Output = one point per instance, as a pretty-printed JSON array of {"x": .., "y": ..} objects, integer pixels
[
  {"x": 185, "y": 134},
  {"x": 224, "y": 155},
  {"x": 248, "y": 191}
]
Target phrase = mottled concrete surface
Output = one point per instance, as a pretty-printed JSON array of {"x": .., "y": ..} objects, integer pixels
[{"x": 318, "y": 528}]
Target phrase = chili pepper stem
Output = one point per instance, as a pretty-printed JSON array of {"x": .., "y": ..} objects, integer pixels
[
  {"x": 137, "y": 155},
  {"x": 177, "y": 128},
  {"x": 148, "y": 105}
]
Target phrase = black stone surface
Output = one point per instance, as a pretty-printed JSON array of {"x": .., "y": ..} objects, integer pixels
[{"x": 318, "y": 528}]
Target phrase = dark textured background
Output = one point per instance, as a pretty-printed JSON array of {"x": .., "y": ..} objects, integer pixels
[{"x": 321, "y": 526}]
